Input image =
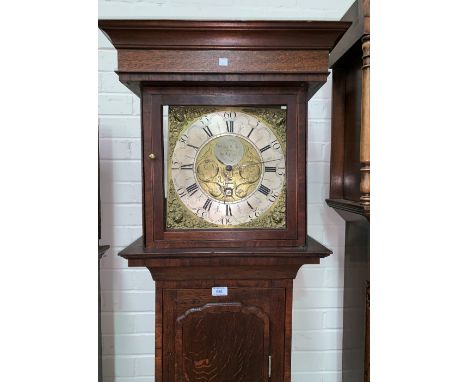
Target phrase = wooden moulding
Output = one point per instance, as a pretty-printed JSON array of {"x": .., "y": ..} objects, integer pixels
[
  {"x": 155, "y": 51},
  {"x": 350, "y": 154},
  {"x": 207, "y": 61},
  {"x": 359, "y": 17},
  {"x": 224, "y": 263},
  {"x": 246, "y": 35}
]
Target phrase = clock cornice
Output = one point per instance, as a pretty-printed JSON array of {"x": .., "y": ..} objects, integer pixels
[{"x": 237, "y": 35}]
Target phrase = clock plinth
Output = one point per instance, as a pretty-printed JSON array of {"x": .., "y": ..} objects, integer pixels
[
  {"x": 253, "y": 310},
  {"x": 224, "y": 204}
]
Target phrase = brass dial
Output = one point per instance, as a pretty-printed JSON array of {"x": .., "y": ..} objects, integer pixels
[{"x": 227, "y": 169}]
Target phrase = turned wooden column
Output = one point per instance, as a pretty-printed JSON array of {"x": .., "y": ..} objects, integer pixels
[
  {"x": 365, "y": 125},
  {"x": 350, "y": 183}
]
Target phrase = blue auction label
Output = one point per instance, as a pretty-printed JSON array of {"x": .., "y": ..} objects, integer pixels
[{"x": 219, "y": 291}]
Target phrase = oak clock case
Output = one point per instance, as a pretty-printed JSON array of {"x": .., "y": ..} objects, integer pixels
[
  {"x": 191, "y": 248},
  {"x": 224, "y": 169}
]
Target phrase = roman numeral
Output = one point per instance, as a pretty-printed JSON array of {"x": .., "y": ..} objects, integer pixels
[
  {"x": 230, "y": 126},
  {"x": 192, "y": 189},
  {"x": 250, "y": 205},
  {"x": 228, "y": 210},
  {"x": 264, "y": 190},
  {"x": 265, "y": 148},
  {"x": 181, "y": 192},
  {"x": 225, "y": 221},
  {"x": 270, "y": 169},
  {"x": 250, "y": 132},
  {"x": 193, "y": 147},
  {"x": 207, "y": 205},
  {"x": 187, "y": 166},
  {"x": 207, "y": 130}
]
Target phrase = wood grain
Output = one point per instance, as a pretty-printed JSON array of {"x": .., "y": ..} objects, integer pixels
[
  {"x": 184, "y": 34},
  {"x": 365, "y": 125},
  {"x": 207, "y": 61},
  {"x": 293, "y": 96},
  {"x": 224, "y": 338},
  {"x": 345, "y": 161},
  {"x": 224, "y": 342},
  {"x": 349, "y": 187},
  {"x": 200, "y": 337}
]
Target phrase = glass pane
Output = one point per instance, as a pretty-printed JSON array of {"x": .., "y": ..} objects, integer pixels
[{"x": 225, "y": 167}]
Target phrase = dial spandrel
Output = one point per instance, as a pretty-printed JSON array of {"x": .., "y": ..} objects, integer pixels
[{"x": 227, "y": 168}]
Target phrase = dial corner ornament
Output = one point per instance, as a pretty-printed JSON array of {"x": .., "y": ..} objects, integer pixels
[{"x": 226, "y": 167}]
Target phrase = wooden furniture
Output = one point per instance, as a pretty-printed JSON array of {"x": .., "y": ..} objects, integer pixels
[
  {"x": 224, "y": 293},
  {"x": 350, "y": 181},
  {"x": 101, "y": 251}
]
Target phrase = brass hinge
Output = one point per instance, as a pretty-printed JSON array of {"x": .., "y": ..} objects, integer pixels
[{"x": 269, "y": 366}]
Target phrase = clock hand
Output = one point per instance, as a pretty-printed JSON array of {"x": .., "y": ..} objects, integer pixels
[{"x": 255, "y": 164}]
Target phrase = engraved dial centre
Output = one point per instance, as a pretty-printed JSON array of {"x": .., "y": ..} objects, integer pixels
[
  {"x": 228, "y": 150},
  {"x": 228, "y": 168}
]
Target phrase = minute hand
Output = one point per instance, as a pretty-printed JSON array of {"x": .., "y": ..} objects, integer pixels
[{"x": 257, "y": 163}]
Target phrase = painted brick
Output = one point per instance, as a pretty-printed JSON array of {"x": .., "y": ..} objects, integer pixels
[
  {"x": 144, "y": 366},
  {"x": 118, "y": 323},
  {"x": 126, "y": 344},
  {"x": 308, "y": 319},
  {"x": 317, "y": 298},
  {"x": 120, "y": 171},
  {"x": 103, "y": 42},
  {"x": 319, "y": 109},
  {"x": 126, "y": 279},
  {"x": 120, "y": 367},
  {"x": 123, "y": 215},
  {"x": 334, "y": 234},
  {"x": 317, "y": 340},
  {"x": 107, "y": 60},
  {"x": 111, "y": 259},
  {"x": 144, "y": 323},
  {"x": 109, "y": 83},
  {"x": 115, "y": 104},
  {"x": 127, "y": 323},
  {"x": 336, "y": 260},
  {"x": 318, "y": 172},
  {"x": 334, "y": 278},
  {"x": 129, "y": 379},
  {"x": 136, "y": 105},
  {"x": 119, "y": 127},
  {"x": 119, "y": 236},
  {"x": 316, "y": 360},
  {"x": 320, "y": 213},
  {"x": 338, "y": 6},
  {"x": 119, "y": 148},
  {"x": 316, "y": 377},
  {"x": 333, "y": 319},
  {"x": 310, "y": 276},
  {"x": 319, "y": 131},
  {"x": 228, "y": 3},
  {"x": 317, "y": 152},
  {"x": 325, "y": 92},
  {"x": 317, "y": 193},
  {"x": 124, "y": 301},
  {"x": 315, "y": 231},
  {"x": 121, "y": 192},
  {"x": 307, "y": 361}
]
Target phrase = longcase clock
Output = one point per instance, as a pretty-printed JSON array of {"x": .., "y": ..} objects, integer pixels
[{"x": 224, "y": 133}]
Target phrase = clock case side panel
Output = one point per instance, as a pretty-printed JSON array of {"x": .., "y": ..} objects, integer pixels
[
  {"x": 154, "y": 98},
  {"x": 345, "y": 166}
]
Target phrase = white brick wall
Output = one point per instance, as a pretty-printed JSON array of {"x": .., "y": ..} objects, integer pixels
[{"x": 128, "y": 293}]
